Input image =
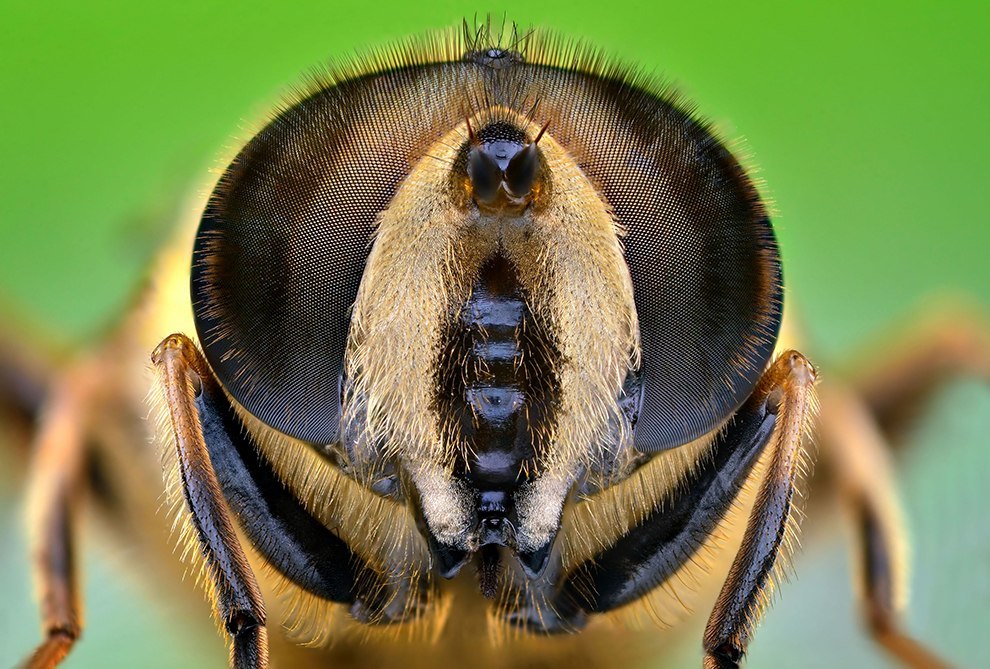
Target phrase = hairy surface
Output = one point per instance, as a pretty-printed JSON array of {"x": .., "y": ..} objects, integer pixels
[{"x": 342, "y": 242}]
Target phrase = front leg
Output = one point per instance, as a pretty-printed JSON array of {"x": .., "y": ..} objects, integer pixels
[
  {"x": 775, "y": 416},
  {"x": 788, "y": 389},
  {"x": 229, "y": 473},
  {"x": 236, "y": 597}
]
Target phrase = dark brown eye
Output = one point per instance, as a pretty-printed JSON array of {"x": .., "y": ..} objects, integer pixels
[
  {"x": 705, "y": 268},
  {"x": 283, "y": 242}
]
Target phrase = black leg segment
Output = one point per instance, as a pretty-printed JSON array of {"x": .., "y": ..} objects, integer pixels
[
  {"x": 301, "y": 548},
  {"x": 237, "y": 599},
  {"x": 775, "y": 419},
  {"x": 667, "y": 538},
  {"x": 280, "y": 528}
]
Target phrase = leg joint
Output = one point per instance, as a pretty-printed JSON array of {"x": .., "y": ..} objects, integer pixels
[
  {"x": 725, "y": 656},
  {"x": 242, "y": 623},
  {"x": 67, "y": 631}
]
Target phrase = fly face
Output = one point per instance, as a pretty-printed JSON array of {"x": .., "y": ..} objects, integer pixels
[
  {"x": 527, "y": 303},
  {"x": 488, "y": 285},
  {"x": 460, "y": 378}
]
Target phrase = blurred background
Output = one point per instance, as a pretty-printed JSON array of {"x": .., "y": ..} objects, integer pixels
[{"x": 868, "y": 124}]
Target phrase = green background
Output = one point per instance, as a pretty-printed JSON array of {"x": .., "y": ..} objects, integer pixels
[{"x": 868, "y": 124}]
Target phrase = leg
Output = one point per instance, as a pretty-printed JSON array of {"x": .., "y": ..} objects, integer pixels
[
  {"x": 280, "y": 528},
  {"x": 25, "y": 377},
  {"x": 895, "y": 385},
  {"x": 787, "y": 386},
  {"x": 54, "y": 488},
  {"x": 859, "y": 460},
  {"x": 237, "y": 600},
  {"x": 276, "y": 523},
  {"x": 653, "y": 551}
]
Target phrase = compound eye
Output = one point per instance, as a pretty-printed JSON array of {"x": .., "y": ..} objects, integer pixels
[
  {"x": 484, "y": 173},
  {"x": 698, "y": 244},
  {"x": 520, "y": 175},
  {"x": 283, "y": 243}
]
